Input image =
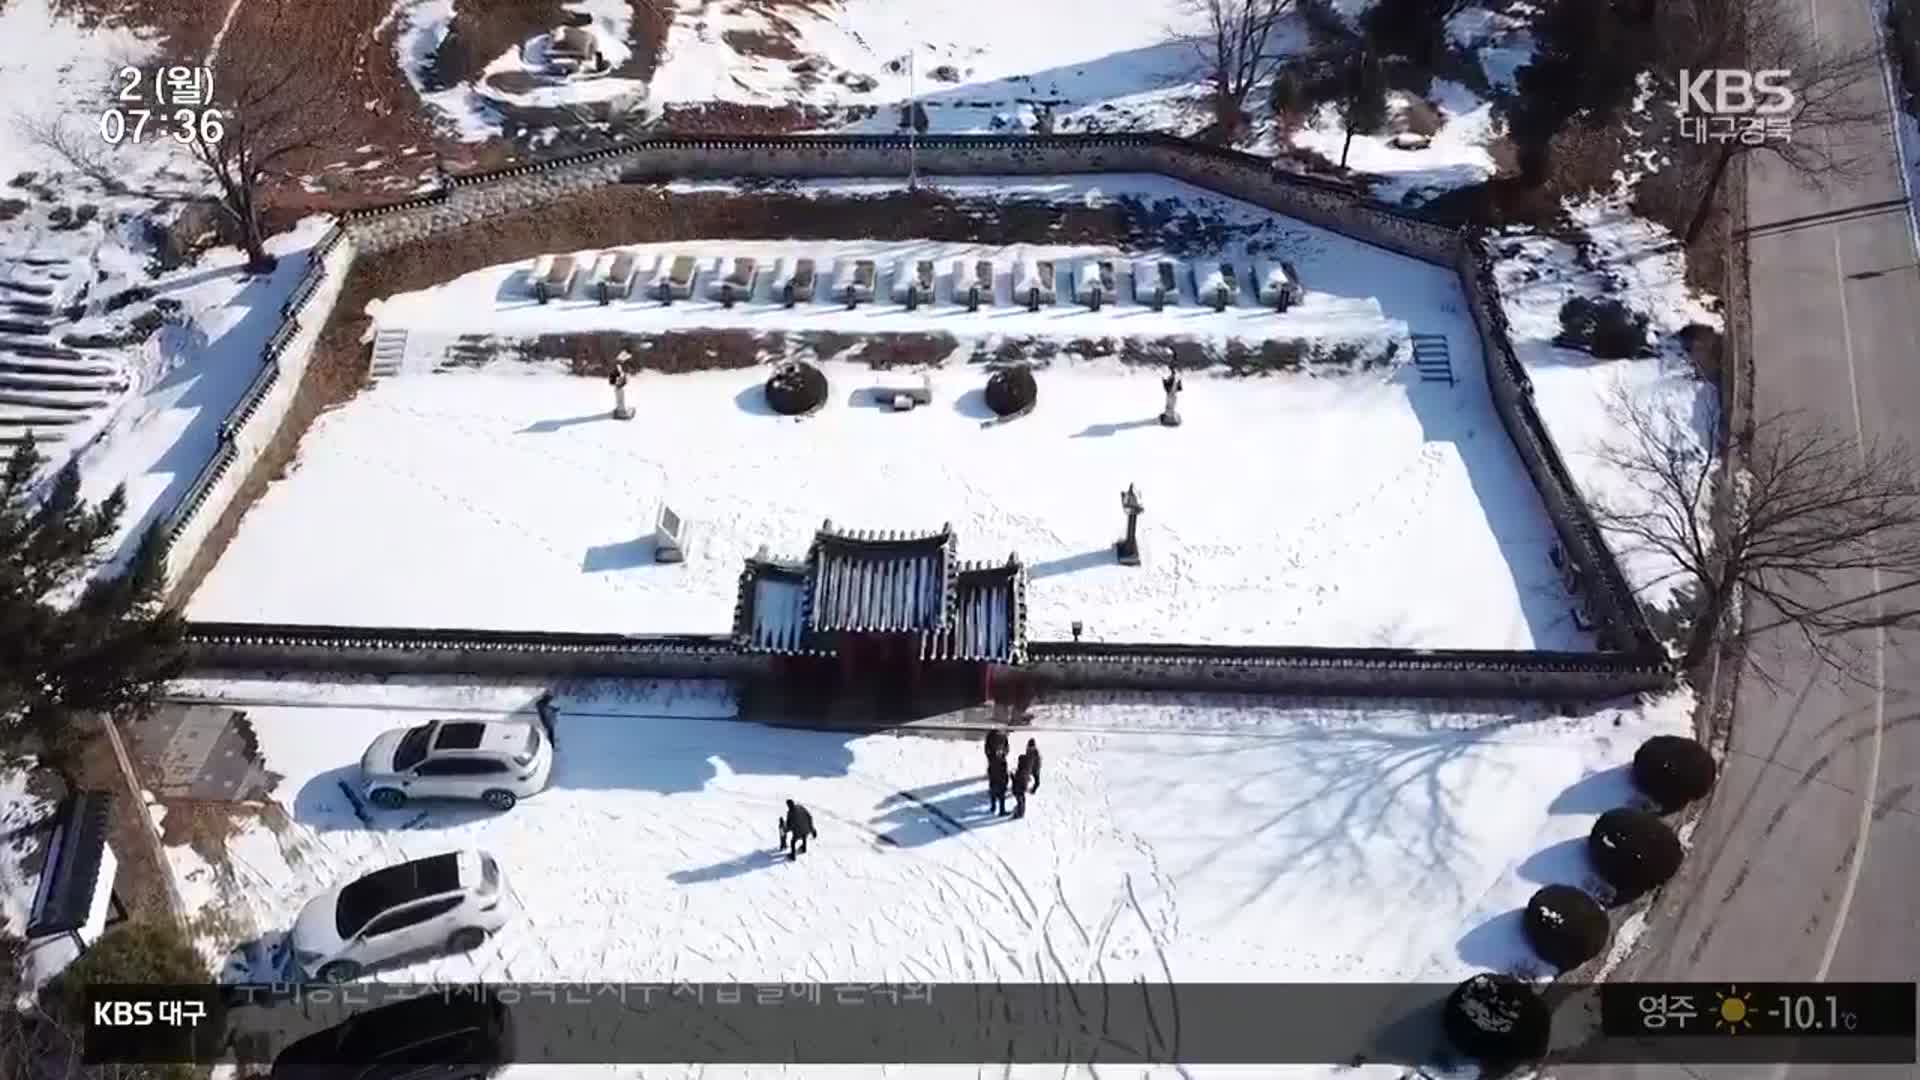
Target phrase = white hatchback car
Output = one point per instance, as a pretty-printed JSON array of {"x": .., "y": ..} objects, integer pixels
[
  {"x": 498, "y": 762},
  {"x": 450, "y": 902}
]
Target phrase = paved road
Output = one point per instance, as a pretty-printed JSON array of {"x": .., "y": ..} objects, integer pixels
[{"x": 1807, "y": 863}]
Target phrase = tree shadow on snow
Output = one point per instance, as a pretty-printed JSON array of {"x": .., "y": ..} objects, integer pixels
[
  {"x": 1564, "y": 863},
  {"x": 1596, "y": 793},
  {"x": 753, "y": 401},
  {"x": 672, "y": 755},
  {"x": 1497, "y": 944},
  {"x": 973, "y": 405},
  {"x": 1389, "y": 786}
]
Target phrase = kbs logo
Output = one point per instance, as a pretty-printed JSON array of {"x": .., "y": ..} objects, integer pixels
[
  {"x": 1723, "y": 104},
  {"x": 148, "y": 1013},
  {"x": 1730, "y": 92}
]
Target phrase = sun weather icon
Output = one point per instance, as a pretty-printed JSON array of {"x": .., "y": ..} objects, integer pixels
[{"x": 1734, "y": 1014}]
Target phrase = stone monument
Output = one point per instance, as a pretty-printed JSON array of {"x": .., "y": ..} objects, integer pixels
[
  {"x": 1127, "y": 550},
  {"x": 618, "y": 380}
]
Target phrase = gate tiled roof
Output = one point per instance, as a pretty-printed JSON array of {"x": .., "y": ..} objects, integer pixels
[{"x": 883, "y": 583}]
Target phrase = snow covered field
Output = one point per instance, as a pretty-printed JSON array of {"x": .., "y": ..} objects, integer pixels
[
  {"x": 1346, "y": 510},
  {"x": 1340, "y": 843},
  {"x": 139, "y": 412},
  {"x": 1575, "y": 393},
  {"x": 1288, "y": 509}
]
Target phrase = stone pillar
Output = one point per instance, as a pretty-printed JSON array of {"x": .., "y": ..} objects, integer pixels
[
  {"x": 1170, "y": 416},
  {"x": 1128, "y": 549},
  {"x": 618, "y": 380}
]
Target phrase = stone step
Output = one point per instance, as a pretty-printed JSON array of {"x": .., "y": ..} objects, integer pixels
[
  {"x": 13, "y": 380},
  {"x": 21, "y": 365},
  {"x": 11, "y": 438},
  {"x": 27, "y": 288},
  {"x": 26, "y": 418},
  {"x": 25, "y": 326},
  {"x": 78, "y": 400},
  {"x": 43, "y": 349}
]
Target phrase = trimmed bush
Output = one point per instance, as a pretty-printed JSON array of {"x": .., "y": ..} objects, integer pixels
[
  {"x": 139, "y": 951},
  {"x": 1633, "y": 851},
  {"x": 1497, "y": 1020},
  {"x": 796, "y": 388},
  {"x": 1566, "y": 926},
  {"x": 1606, "y": 328},
  {"x": 1011, "y": 390},
  {"x": 1673, "y": 771}
]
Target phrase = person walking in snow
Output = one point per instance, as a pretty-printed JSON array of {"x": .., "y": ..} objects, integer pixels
[
  {"x": 997, "y": 746},
  {"x": 997, "y": 784},
  {"x": 1022, "y": 780},
  {"x": 1030, "y": 761},
  {"x": 547, "y": 711},
  {"x": 795, "y": 830}
]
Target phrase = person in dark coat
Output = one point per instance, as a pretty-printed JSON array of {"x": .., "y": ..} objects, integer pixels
[
  {"x": 997, "y": 784},
  {"x": 796, "y": 829},
  {"x": 1022, "y": 780},
  {"x": 996, "y": 744},
  {"x": 1030, "y": 761}
]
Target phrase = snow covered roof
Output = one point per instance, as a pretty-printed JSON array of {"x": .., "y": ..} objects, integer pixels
[
  {"x": 71, "y": 877},
  {"x": 872, "y": 582}
]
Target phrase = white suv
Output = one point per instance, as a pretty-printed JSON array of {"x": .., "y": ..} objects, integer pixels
[
  {"x": 498, "y": 762},
  {"x": 451, "y": 902}
]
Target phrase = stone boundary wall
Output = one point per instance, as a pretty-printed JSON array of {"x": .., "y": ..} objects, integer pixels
[
  {"x": 255, "y": 419},
  {"x": 1631, "y": 659},
  {"x": 1051, "y": 664}
]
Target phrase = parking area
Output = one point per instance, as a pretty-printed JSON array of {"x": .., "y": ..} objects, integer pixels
[{"x": 1273, "y": 849}]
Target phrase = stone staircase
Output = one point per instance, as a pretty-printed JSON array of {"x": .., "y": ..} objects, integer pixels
[
  {"x": 46, "y": 388},
  {"x": 1430, "y": 358},
  {"x": 389, "y": 354}
]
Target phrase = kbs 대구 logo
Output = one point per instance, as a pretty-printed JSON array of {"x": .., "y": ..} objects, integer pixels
[{"x": 1724, "y": 104}]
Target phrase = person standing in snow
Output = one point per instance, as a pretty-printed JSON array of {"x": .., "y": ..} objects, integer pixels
[
  {"x": 997, "y": 784},
  {"x": 795, "y": 830},
  {"x": 1022, "y": 779},
  {"x": 1030, "y": 761},
  {"x": 996, "y": 744}
]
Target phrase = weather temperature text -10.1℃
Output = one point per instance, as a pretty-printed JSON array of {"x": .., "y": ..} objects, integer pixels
[{"x": 1798, "y": 1010}]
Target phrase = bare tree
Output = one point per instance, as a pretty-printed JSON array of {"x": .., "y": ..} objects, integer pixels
[
  {"x": 274, "y": 106},
  {"x": 272, "y": 101},
  {"x": 1235, "y": 42},
  {"x": 1836, "y": 89},
  {"x": 1363, "y": 98},
  {"x": 1812, "y": 504}
]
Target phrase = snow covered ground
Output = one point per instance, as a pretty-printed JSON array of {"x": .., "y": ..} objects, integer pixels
[
  {"x": 1637, "y": 262},
  {"x": 1288, "y": 509},
  {"x": 1290, "y": 843},
  {"x": 973, "y": 62},
  {"x": 139, "y": 412},
  {"x": 518, "y": 77},
  {"x": 1454, "y": 156}
]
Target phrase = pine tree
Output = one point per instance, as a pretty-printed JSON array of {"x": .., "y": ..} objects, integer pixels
[
  {"x": 1587, "y": 59},
  {"x": 71, "y": 640}
]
